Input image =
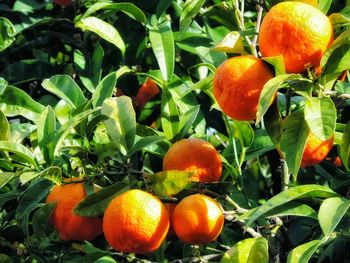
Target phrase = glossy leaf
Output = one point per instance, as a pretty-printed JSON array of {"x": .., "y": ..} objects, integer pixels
[
  {"x": 65, "y": 88},
  {"x": 5, "y": 178},
  {"x": 7, "y": 33},
  {"x": 278, "y": 63},
  {"x": 5, "y": 130},
  {"x": 293, "y": 140},
  {"x": 244, "y": 132},
  {"x": 52, "y": 173},
  {"x": 250, "y": 250},
  {"x": 128, "y": 8},
  {"x": 96, "y": 203},
  {"x": 45, "y": 132},
  {"x": 170, "y": 116},
  {"x": 190, "y": 10},
  {"x": 269, "y": 92},
  {"x": 103, "y": 29},
  {"x": 321, "y": 115},
  {"x": 304, "y": 252},
  {"x": 21, "y": 151},
  {"x": 163, "y": 47},
  {"x": 105, "y": 88},
  {"x": 14, "y": 102},
  {"x": 332, "y": 210},
  {"x": 168, "y": 183},
  {"x": 295, "y": 193},
  {"x": 65, "y": 129},
  {"x": 187, "y": 120},
  {"x": 41, "y": 226},
  {"x": 345, "y": 147},
  {"x": 232, "y": 43},
  {"x": 144, "y": 142},
  {"x": 121, "y": 122}
]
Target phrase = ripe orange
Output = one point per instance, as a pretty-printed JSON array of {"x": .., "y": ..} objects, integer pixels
[
  {"x": 299, "y": 32},
  {"x": 197, "y": 156},
  {"x": 315, "y": 150},
  {"x": 69, "y": 225},
  {"x": 198, "y": 219},
  {"x": 147, "y": 91},
  {"x": 135, "y": 222},
  {"x": 237, "y": 86}
]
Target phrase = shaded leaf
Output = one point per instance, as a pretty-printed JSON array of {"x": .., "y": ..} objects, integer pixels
[
  {"x": 5, "y": 178},
  {"x": 45, "y": 132},
  {"x": 304, "y": 252},
  {"x": 41, "y": 226},
  {"x": 96, "y": 203},
  {"x": 21, "y": 151},
  {"x": 345, "y": 147},
  {"x": 190, "y": 10},
  {"x": 170, "y": 116}
]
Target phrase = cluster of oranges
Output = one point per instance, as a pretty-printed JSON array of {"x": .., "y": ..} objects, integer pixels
[
  {"x": 137, "y": 221},
  {"x": 298, "y": 32}
]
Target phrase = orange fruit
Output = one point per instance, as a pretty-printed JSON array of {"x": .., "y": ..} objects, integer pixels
[
  {"x": 147, "y": 91},
  {"x": 197, "y": 156},
  {"x": 315, "y": 150},
  {"x": 299, "y": 32},
  {"x": 198, "y": 219},
  {"x": 69, "y": 225},
  {"x": 237, "y": 86},
  {"x": 135, "y": 222}
]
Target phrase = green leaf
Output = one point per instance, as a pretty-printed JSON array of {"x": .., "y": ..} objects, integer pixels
[
  {"x": 291, "y": 208},
  {"x": 163, "y": 47},
  {"x": 345, "y": 147},
  {"x": 269, "y": 92},
  {"x": 331, "y": 212},
  {"x": 250, "y": 250},
  {"x": 168, "y": 183},
  {"x": 293, "y": 140},
  {"x": 5, "y": 178},
  {"x": 170, "y": 116},
  {"x": 7, "y": 33},
  {"x": 5, "y": 131},
  {"x": 3, "y": 85},
  {"x": 128, "y": 8},
  {"x": 14, "y": 102},
  {"x": 321, "y": 116},
  {"x": 64, "y": 87},
  {"x": 28, "y": 202},
  {"x": 244, "y": 132},
  {"x": 41, "y": 226},
  {"x": 304, "y": 252},
  {"x": 121, "y": 122},
  {"x": 324, "y": 5},
  {"x": 190, "y": 10},
  {"x": 278, "y": 63},
  {"x": 187, "y": 120},
  {"x": 67, "y": 128},
  {"x": 232, "y": 43},
  {"x": 52, "y": 173},
  {"x": 21, "y": 151},
  {"x": 105, "y": 88},
  {"x": 45, "y": 132},
  {"x": 144, "y": 142},
  {"x": 103, "y": 29},
  {"x": 273, "y": 123},
  {"x": 96, "y": 203},
  {"x": 297, "y": 192}
]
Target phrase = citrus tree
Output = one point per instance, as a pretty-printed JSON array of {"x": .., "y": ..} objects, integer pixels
[{"x": 174, "y": 131}]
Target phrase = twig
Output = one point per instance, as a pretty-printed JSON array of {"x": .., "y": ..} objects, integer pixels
[{"x": 260, "y": 10}]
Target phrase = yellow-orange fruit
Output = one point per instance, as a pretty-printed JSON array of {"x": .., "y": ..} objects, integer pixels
[
  {"x": 147, "y": 91},
  {"x": 198, "y": 219},
  {"x": 315, "y": 150},
  {"x": 237, "y": 86},
  {"x": 197, "y": 156},
  {"x": 135, "y": 222},
  {"x": 69, "y": 225},
  {"x": 299, "y": 32}
]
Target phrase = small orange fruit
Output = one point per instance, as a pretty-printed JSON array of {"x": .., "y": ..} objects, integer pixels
[
  {"x": 197, "y": 156},
  {"x": 315, "y": 150},
  {"x": 237, "y": 86},
  {"x": 299, "y": 32},
  {"x": 69, "y": 225},
  {"x": 135, "y": 222},
  {"x": 147, "y": 91},
  {"x": 198, "y": 219}
]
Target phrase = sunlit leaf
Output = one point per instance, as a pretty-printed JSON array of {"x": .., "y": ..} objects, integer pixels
[
  {"x": 304, "y": 252},
  {"x": 21, "y": 151},
  {"x": 5, "y": 130},
  {"x": 232, "y": 43},
  {"x": 167, "y": 183},
  {"x": 7, "y": 33}
]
